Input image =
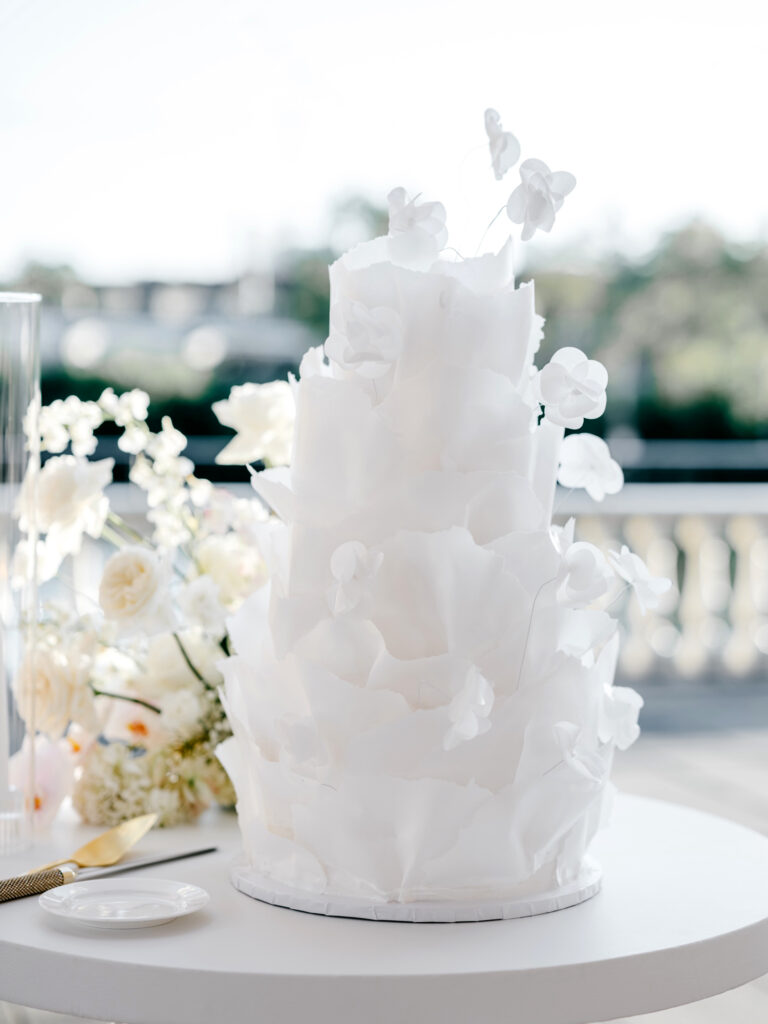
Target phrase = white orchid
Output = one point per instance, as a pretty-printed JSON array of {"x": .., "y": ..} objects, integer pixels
[
  {"x": 263, "y": 416},
  {"x": 504, "y": 147},
  {"x": 585, "y": 461},
  {"x": 469, "y": 710},
  {"x": 417, "y": 231},
  {"x": 364, "y": 340},
  {"x": 353, "y": 566},
  {"x": 586, "y": 574},
  {"x": 572, "y": 387},
  {"x": 46, "y": 766},
  {"x": 648, "y": 589},
  {"x": 538, "y": 197}
]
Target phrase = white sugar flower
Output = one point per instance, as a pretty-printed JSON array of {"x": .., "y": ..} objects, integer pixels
[
  {"x": 586, "y": 574},
  {"x": 52, "y": 687},
  {"x": 572, "y": 387},
  {"x": 469, "y": 710},
  {"x": 417, "y": 230},
  {"x": 648, "y": 589},
  {"x": 134, "y": 591},
  {"x": 201, "y": 606},
  {"x": 562, "y": 536},
  {"x": 538, "y": 197},
  {"x": 353, "y": 566},
  {"x": 619, "y": 714},
  {"x": 66, "y": 500},
  {"x": 504, "y": 147},
  {"x": 263, "y": 416},
  {"x": 313, "y": 363},
  {"x": 585, "y": 461},
  {"x": 364, "y": 340}
]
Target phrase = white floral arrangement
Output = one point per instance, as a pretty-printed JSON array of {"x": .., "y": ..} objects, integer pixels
[{"x": 122, "y": 686}]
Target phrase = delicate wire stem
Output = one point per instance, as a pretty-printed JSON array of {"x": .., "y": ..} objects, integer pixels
[
  {"x": 561, "y": 498},
  {"x": 123, "y": 696},
  {"x": 190, "y": 665},
  {"x": 493, "y": 221},
  {"x": 530, "y": 627}
]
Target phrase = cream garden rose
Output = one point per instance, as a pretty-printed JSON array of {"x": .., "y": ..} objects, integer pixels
[{"x": 132, "y": 589}]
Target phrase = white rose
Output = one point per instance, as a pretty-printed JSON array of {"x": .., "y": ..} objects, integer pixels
[
  {"x": 52, "y": 689},
  {"x": 201, "y": 606},
  {"x": 236, "y": 568},
  {"x": 263, "y": 416},
  {"x": 167, "y": 669},
  {"x": 65, "y": 500},
  {"x": 133, "y": 590}
]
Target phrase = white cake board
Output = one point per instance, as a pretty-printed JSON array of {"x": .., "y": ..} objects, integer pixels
[{"x": 259, "y": 887}]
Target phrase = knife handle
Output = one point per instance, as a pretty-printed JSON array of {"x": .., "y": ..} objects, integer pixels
[{"x": 31, "y": 885}]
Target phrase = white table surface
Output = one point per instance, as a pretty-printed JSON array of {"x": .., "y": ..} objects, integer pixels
[{"x": 683, "y": 915}]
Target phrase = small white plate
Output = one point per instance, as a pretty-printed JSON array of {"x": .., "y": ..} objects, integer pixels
[{"x": 124, "y": 902}]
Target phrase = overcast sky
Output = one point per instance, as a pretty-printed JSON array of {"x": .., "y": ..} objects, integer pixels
[{"x": 178, "y": 138}]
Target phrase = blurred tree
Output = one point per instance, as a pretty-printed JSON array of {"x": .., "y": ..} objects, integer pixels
[
  {"x": 684, "y": 334},
  {"x": 48, "y": 279}
]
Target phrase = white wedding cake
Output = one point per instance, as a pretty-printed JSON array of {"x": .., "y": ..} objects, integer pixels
[{"x": 422, "y": 703}]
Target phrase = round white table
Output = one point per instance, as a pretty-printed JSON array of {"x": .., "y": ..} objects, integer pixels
[{"x": 683, "y": 914}]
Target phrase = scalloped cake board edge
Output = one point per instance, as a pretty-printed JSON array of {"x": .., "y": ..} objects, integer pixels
[{"x": 259, "y": 887}]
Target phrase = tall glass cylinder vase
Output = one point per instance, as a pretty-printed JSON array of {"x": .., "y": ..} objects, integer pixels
[{"x": 19, "y": 466}]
